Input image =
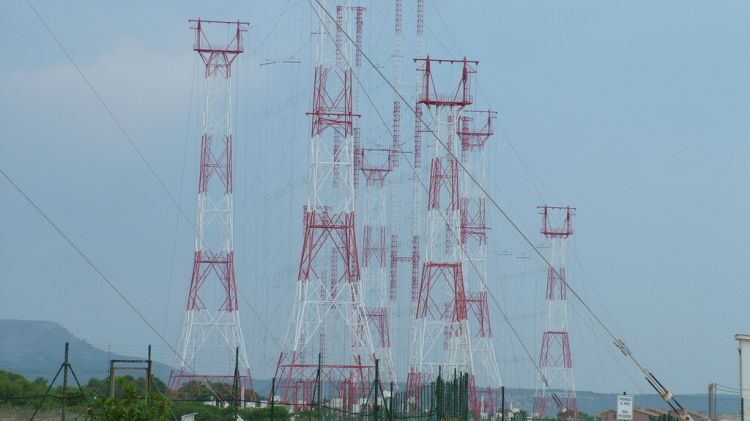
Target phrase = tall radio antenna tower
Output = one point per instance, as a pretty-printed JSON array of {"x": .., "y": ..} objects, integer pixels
[
  {"x": 555, "y": 362},
  {"x": 211, "y": 333},
  {"x": 328, "y": 351},
  {"x": 474, "y": 129},
  {"x": 375, "y": 163},
  {"x": 404, "y": 253},
  {"x": 416, "y": 191},
  {"x": 440, "y": 338},
  {"x": 395, "y": 149}
]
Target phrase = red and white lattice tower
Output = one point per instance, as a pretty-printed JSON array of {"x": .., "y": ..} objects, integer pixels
[
  {"x": 395, "y": 150},
  {"x": 328, "y": 322},
  {"x": 412, "y": 258},
  {"x": 416, "y": 178},
  {"x": 211, "y": 328},
  {"x": 474, "y": 129},
  {"x": 440, "y": 337},
  {"x": 375, "y": 164},
  {"x": 359, "y": 21},
  {"x": 555, "y": 362}
]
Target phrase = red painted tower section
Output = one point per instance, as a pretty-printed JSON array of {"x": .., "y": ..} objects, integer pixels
[
  {"x": 328, "y": 352},
  {"x": 557, "y": 388},
  {"x": 211, "y": 330},
  {"x": 474, "y": 129},
  {"x": 440, "y": 332}
]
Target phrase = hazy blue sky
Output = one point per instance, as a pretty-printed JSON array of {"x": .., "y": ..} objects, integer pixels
[{"x": 634, "y": 112}]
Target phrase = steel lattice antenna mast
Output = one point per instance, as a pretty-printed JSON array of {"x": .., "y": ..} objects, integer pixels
[
  {"x": 555, "y": 360},
  {"x": 474, "y": 129},
  {"x": 416, "y": 190},
  {"x": 212, "y": 321},
  {"x": 375, "y": 164},
  {"x": 328, "y": 349},
  {"x": 406, "y": 253},
  {"x": 440, "y": 336},
  {"x": 395, "y": 151}
]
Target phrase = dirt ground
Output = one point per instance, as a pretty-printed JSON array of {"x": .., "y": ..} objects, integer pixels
[{"x": 23, "y": 414}]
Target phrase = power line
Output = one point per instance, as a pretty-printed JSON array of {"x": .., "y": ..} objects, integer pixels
[
  {"x": 83, "y": 256},
  {"x": 109, "y": 112},
  {"x": 97, "y": 270}
]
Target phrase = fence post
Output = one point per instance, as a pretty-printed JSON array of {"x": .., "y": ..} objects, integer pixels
[
  {"x": 320, "y": 391},
  {"x": 502, "y": 402},
  {"x": 46, "y": 393},
  {"x": 148, "y": 374},
  {"x": 111, "y": 379},
  {"x": 438, "y": 393},
  {"x": 377, "y": 380},
  {"x": 456, "y": 390},
  {"x": 390, "y": 404},
  {"x": 65, "y": 384},
  {"x": 465, "y": 396},
  {"x": 236, "y": 379}
]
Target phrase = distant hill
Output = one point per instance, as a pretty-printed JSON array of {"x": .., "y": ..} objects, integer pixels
[{"x": 36, "y": 349}]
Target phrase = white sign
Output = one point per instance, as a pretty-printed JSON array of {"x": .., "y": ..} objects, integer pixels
[{"x": 624, "y": 408}]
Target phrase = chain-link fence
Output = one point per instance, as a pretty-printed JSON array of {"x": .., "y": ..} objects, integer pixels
[
  {"x": 87, "y": 390},
  {"x": 441, "y": 399}
]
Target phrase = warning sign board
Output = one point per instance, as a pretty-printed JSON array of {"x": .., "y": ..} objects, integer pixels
[{"x": 624, "y": 408}]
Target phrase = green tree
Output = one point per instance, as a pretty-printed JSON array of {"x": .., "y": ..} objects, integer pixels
[
  {"x": 520, "y": 415},
  {"x": 129, "y": 406},
  {"x": 582, "y": 416},
  {"x": 16, "y": 390},
  {"x": 219, "y": 413}
]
